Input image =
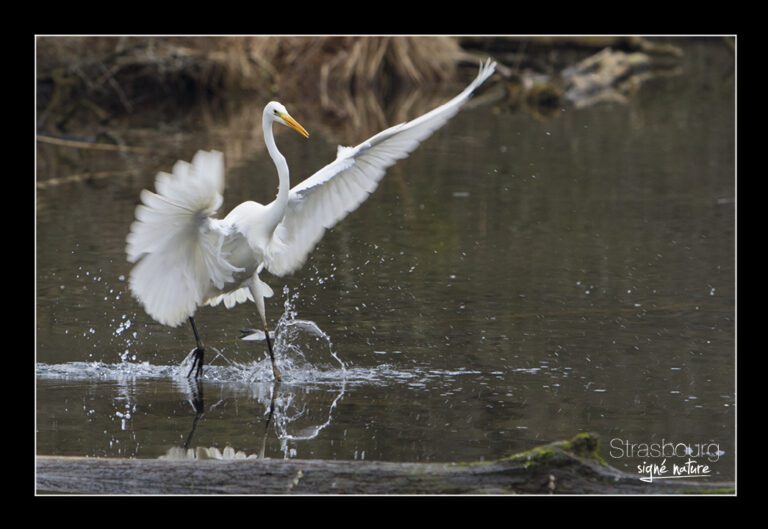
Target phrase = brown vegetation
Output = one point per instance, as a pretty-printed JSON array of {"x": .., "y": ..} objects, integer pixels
[
  {"x": 105, "y": 90},
  {"x": 96, "y": 78}
]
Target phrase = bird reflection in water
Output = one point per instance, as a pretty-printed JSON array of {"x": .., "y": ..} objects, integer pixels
[{"x": 286, "y": 409}]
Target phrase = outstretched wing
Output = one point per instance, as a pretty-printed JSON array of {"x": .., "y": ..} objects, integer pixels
[
  {"x": 323, "y": 199},
  {"x": 177, "y": 245}
]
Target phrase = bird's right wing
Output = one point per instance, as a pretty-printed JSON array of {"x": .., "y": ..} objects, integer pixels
[
  {"x": 323, "y": 199},
  {"x": 177, "y": 244}
]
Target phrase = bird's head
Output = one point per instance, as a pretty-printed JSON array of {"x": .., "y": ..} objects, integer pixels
[{"x": 277, "y": 112}]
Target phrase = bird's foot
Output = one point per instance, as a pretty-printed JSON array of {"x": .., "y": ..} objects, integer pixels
[
  {"x": 252, "y": 335},
  {"x": 197, "y": 363}
]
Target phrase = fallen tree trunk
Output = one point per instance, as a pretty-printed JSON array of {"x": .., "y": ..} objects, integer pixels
[
  {"x": 610, "y": 74},
  {"x": 566, "y": 467}
]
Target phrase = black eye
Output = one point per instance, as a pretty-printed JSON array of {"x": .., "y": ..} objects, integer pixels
[{"x": 275, "y": 111}]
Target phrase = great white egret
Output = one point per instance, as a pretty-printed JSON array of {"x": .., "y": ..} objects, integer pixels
[{"x": 186, "y": 258}]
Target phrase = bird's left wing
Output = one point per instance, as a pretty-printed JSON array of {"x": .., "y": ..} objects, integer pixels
[{"x": 323, "y": 199}]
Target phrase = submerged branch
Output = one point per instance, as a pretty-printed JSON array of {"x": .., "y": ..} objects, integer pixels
[
  {"x": 82, "y": 177},
  {"x": 91, "y": 145}
]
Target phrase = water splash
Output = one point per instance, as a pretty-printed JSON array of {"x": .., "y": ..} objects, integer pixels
[
  {"x": 254, "y": 373},
  {"x": 304, "y": 354},
  {"x": 101, "y": 371}
]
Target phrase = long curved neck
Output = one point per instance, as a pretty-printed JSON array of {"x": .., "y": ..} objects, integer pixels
[{"x": 277, "y": 207}]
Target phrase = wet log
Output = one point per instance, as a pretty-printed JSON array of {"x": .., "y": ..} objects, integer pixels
[
  {"x": 551, "y": 54},
  {"x": 573, "y": 467},
  {"x": 587, "y": 44},
  {"x": 610, "y": 74}
]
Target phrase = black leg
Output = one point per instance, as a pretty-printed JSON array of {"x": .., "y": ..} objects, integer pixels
[
  {"x": 275, "y": 370},
  {"x": 199, "y": 359}
]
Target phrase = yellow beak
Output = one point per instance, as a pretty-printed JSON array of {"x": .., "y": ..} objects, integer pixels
[{"x": 294, "y": 125}]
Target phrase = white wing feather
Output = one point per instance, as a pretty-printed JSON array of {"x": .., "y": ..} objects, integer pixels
[
  {"x": 241, "y": 295},
  {"x": 177, "y": 245},
  {"x": 323, "y": 199},
  {"x": 230, "y": 299}
]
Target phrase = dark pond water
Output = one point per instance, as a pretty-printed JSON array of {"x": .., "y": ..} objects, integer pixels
[{"x": 517, "y": 280}]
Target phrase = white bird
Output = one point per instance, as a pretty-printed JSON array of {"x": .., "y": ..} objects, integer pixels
[{"x": 186, "y": 258}]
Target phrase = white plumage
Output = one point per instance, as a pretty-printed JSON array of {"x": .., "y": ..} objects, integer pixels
[
  {"x": 186, "y": 258},
  {"x": 326, "y": 197},
  {"x": 178, "y": 245}
]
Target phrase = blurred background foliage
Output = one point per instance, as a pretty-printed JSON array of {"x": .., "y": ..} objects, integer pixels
[{"x": 82, "y": 81}]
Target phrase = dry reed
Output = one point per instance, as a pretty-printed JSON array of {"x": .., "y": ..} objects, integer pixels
[{"x": 100, "y": 77}]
